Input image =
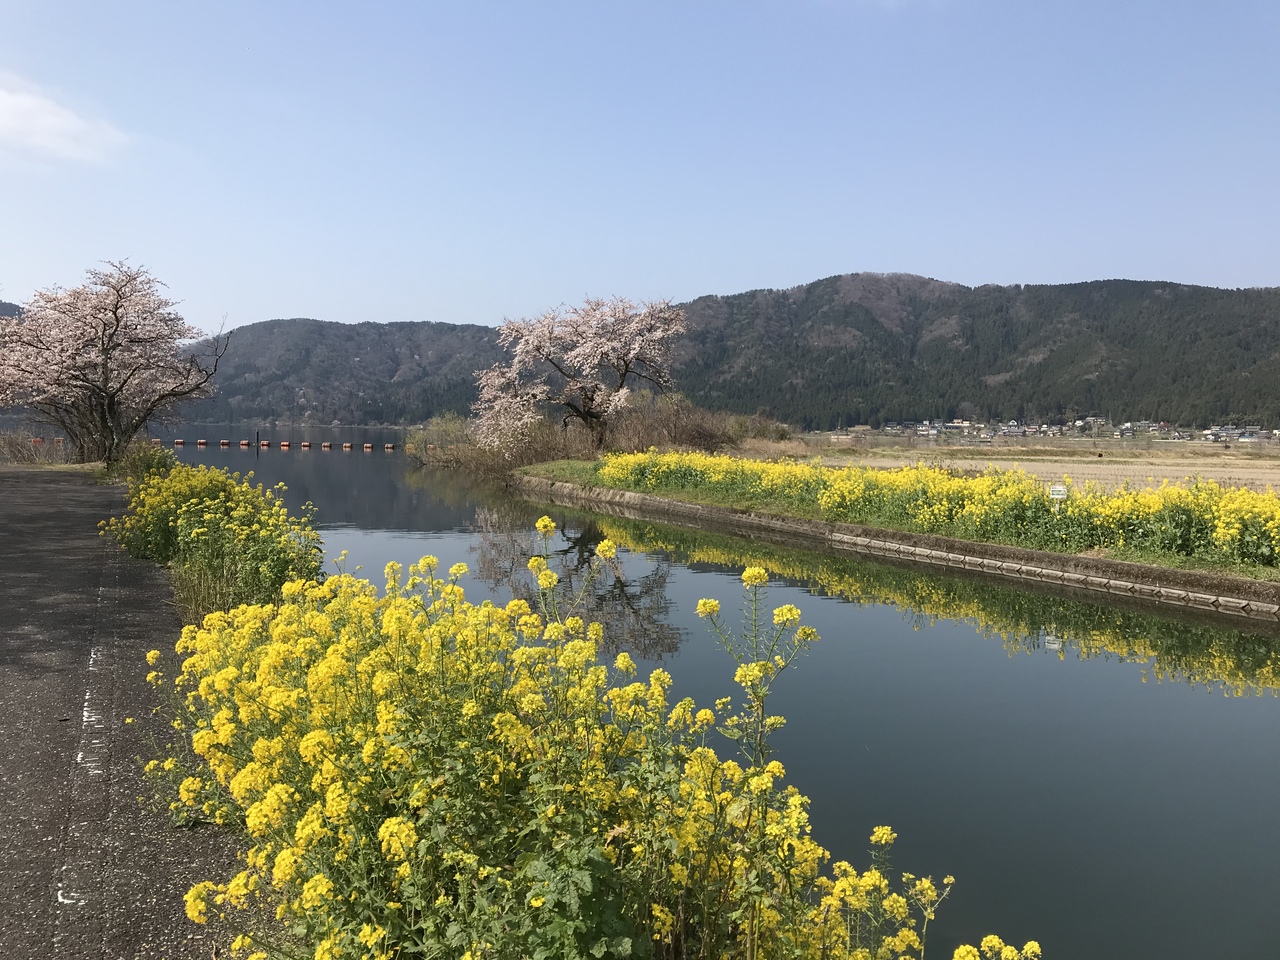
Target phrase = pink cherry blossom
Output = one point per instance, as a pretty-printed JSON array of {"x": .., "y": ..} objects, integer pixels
[
  {"x": 100, "y": 360},
  {"x": 580, "y": 361}
]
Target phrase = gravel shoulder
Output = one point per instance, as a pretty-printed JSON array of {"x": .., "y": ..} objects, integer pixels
[{"x": 87, "y": 870}]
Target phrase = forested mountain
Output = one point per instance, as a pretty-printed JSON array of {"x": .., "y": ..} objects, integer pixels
[
  {"x": 864, "y": 348},
  {"x": 858, "y": 348},
  {"x": 9, "y": 309},
  {"x": 316, "y": 371}
]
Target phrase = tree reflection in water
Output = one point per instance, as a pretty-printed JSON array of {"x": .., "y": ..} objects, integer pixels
[
  {"x": 633, "y": 609},
  {"x": 1242, "y": 659}
]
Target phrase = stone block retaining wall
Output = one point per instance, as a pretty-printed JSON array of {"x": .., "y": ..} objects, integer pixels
[{"x": 1195, "y": 590}]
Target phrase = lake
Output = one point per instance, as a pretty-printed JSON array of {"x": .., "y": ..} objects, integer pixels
[{"x": 1101, "y": 778}]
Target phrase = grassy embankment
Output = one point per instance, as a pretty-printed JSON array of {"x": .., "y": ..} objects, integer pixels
[{"x": 1197, "y": 525}]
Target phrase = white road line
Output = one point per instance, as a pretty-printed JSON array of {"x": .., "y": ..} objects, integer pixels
[{"x": 90, "y": 763}]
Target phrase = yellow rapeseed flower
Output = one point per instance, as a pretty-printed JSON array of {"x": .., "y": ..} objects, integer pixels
[
  {"x": 787, "y": 615},
  {"x": 316, "y": 891},
  {"x": 195, "y": 900},
  {"x": 398, "y": 837},
  {"x": 883, "y": 836}
]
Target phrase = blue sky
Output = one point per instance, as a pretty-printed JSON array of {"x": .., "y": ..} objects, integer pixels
[{"x": 475, "y": 160}]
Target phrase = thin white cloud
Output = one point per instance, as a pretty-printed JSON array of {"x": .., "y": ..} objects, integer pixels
[{"x": 33, "y": 123}]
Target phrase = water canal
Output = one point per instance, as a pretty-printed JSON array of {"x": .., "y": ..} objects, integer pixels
[{"x": 1103, "y": 779}]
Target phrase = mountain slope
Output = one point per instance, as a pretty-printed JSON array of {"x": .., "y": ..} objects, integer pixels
[
  {"x": 857, "y": 348},
  {"x": 866, "y": 347},
  {"x": 318, "y": 371}
]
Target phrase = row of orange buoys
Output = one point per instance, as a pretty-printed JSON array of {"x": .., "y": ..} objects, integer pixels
[{"x": 267, "y": 444}]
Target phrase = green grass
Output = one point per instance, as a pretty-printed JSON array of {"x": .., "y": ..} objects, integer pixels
[
  {"x": 1197, "y": 564},
  {"x": 585, "y": 473}
]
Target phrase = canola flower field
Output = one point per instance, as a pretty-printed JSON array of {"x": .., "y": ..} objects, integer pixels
[
  {"x": 417, "y": 775},
  {"x": 1199, "y": 519}
]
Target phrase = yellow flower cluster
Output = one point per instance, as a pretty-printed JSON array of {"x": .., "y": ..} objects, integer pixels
[
  {"x": 498, "y": 765},
  {"x": 750, "y": 481},
  {"x": 149, "y": 529},
  {"x": 993, "y": 948},
  {"x": 229, "y": 542},
  {"x": 415, "y": 773},
  {"x": 1003, "y": 506}
]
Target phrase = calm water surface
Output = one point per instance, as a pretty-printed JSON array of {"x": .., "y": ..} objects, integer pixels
[{"x": 1102, "y": 779}]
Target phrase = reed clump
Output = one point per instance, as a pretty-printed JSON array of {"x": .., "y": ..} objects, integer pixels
[{"x": 649, "y": 420}]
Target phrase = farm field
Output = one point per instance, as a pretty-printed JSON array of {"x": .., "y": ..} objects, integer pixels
[{"x": 1257, "y": 469}]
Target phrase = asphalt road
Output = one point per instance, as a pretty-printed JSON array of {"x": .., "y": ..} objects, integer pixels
[{"x": 87, "y": 870}]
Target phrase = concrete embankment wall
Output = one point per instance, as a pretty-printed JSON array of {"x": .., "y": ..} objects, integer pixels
[{"x": 1192, "y": 590}]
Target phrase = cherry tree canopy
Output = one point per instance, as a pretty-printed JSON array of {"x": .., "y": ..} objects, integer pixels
[
  {"x": 581, "y": 361},
  {"x": 103, "y": 358}
]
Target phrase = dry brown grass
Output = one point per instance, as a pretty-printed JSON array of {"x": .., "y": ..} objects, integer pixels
[
  {"x": 666, "y": 422},
  {"x": 758, "y": 448},
  {"x": 1111, "y": 465},
  {"x": 16, "y": 447}
]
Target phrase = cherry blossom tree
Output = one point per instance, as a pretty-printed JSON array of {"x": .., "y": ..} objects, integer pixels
[
  {"x": 102, "y": 359},
  {"x": 580, "y": 361}
]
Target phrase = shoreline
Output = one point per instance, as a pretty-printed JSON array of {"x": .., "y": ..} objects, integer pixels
[{"x": 1187, "y": 590}]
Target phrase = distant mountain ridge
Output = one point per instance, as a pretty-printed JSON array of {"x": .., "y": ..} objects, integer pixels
[
  {"x": 865, "y": 348},
  {"x": 317, "y": 371},
  {"x": 9, "y": 309},
  {"x": 849, "y": 349}
]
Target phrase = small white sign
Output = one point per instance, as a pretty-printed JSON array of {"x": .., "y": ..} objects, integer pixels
[{"x": 1057, "y": 492}]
